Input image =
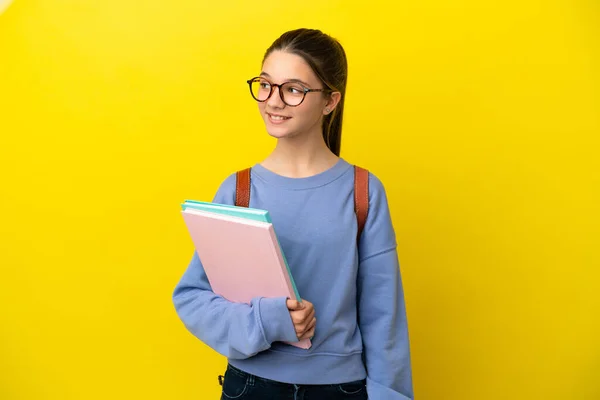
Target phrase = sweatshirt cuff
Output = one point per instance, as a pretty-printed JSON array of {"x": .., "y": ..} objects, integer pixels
[{"x": 276, "y": 320}]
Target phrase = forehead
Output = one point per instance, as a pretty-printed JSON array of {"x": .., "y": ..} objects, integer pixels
[{"x": 282, "y": 66}]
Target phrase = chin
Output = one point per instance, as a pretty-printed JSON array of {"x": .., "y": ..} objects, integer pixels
[{"x": 279, "y": 133}]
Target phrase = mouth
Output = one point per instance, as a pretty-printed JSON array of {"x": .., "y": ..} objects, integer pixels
[{"x": 277, "y": 118}]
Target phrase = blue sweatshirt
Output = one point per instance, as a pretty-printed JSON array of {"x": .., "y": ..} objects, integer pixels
[{"x": 356, "y": 290}]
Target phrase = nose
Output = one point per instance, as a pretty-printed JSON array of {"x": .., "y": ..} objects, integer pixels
[{"x": 275, "y": 99}]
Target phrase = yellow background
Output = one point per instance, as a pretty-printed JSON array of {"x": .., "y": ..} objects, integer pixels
[{"x": 481, "y": 118}]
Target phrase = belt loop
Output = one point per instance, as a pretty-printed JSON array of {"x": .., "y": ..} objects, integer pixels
[{"x": 250, "y": 380}]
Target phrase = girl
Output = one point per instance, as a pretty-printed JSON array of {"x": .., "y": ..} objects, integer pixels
[{"x": 353, "y": 302}]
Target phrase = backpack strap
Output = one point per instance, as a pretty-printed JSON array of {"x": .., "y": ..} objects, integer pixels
[
  {"x": 361, "y": 197},
  {"x": 242, "y": 188},
  {"x": 361, "y": 193}
]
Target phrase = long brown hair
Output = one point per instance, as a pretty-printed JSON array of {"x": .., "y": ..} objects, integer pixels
[{"x": 327, "y": 58}]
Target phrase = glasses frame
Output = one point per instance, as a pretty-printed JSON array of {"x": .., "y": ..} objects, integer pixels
[{"x": 278, "y": 86}]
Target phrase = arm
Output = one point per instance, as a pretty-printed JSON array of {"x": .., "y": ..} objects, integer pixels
[
  {"x": 382, "y": 314},
  {"x": 235, "y": 330}
]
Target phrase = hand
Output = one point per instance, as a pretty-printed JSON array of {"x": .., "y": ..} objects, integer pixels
[{"x": 303, "y": 317}]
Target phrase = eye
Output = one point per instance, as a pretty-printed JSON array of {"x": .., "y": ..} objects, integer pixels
[{"x": 295, "y": 90}]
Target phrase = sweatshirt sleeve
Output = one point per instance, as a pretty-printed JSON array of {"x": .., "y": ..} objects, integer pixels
[
  {"x": 382, "y": 313},
  {"x": 235, "y": 330}
]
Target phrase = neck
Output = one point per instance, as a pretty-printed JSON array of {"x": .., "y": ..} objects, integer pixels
[{"x": 300, "y": 156}]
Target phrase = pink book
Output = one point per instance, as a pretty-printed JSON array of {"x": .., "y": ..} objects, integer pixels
[{"x": 241, "y": 257}]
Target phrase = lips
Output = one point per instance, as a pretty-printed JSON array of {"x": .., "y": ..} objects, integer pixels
[{"x": 277, "y": 118}]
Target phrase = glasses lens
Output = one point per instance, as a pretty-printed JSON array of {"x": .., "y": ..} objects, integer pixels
[
  {"x": 260, "y": 89},
  {"x": 293, "y": 93}
]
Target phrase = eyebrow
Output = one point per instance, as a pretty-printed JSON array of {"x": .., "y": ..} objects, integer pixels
[{"x": 289, "y": 80}]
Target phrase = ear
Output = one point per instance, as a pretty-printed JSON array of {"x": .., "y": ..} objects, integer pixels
[{"x": 332, "y": 101}]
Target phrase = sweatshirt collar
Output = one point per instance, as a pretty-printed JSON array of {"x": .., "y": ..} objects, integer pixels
[{"x": 320, "y": 179}]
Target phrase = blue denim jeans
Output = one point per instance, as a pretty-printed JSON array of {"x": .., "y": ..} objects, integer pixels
[{"x": 240, "y": 385}]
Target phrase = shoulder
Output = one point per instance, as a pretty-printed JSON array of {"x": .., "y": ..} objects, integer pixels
[
  {"x": 226, "y": 191},
  {"x": 379, "y": 207},
  {"x": 376, "y": 184},
  {"x": 377, "y": 191},
  {"x": 378, "y": 234}
]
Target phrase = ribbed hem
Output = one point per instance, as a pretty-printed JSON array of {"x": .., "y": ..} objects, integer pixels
[{"x": 303, "y": 370}]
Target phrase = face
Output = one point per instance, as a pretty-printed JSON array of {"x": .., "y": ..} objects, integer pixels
[{"x": 281, "y": 120}]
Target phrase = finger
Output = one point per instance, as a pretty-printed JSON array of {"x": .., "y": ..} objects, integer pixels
[
  {"x": 301, "y": 330},
  {"x": 307, "y": 317},
  {"x": 311, "y": 324},
  {"x": 298, "y": 317},
  {"x": 302, "y": 313},
  {"x": 307, "y": 326},
  {"x": 309, "y": 334}
]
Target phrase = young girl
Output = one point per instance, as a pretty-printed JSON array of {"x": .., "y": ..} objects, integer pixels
[{"x": 352, "y": 299}]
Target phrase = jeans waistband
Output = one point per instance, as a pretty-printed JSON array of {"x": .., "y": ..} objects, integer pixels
[{"x": 255, "y": 378}]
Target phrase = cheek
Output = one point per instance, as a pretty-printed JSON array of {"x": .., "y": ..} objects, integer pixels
[{"x": 310, "y": 113}]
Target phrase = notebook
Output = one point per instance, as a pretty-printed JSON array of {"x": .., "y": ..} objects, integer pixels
[
  {"x": 242, "y": 212},
  {"x": 241, "y": 256},
  {"x": 234, "y": 211}
]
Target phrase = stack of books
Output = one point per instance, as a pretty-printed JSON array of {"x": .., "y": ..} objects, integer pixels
[{"x": 240, "y": 253}]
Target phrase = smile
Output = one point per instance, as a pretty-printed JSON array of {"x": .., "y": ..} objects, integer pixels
[{"x": 277, "y": 118}]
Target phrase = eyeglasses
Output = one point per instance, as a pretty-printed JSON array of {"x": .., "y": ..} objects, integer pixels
[{"x": 291, "y": 93}]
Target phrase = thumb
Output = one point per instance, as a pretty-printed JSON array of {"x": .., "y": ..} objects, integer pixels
[{"x": 295, "y": 305}]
